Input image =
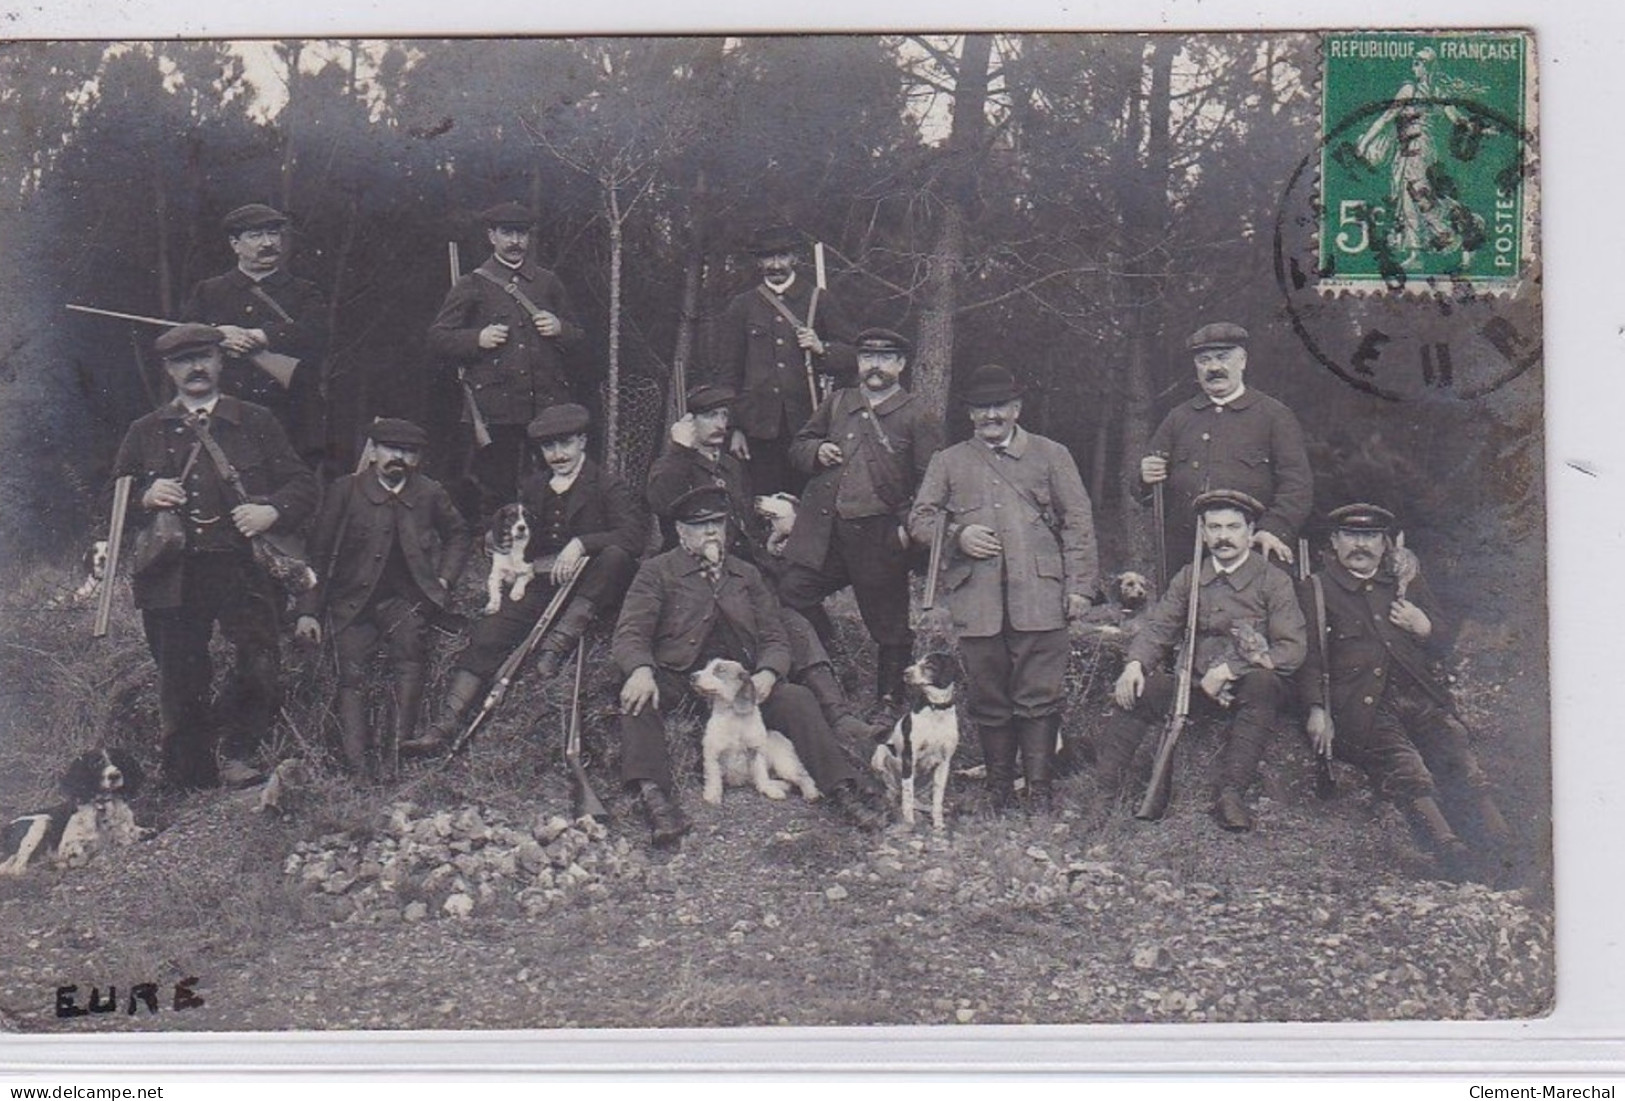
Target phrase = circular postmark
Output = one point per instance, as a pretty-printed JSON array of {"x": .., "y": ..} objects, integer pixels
[{"x": 1408, "y": 271}]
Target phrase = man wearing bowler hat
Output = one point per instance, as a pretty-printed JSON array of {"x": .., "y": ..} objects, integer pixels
[
  {"x": 1231, "y": 436},
  {"x": 689, "y": 605},
  {"x": 505, "y": 328},
  {"x": 388, "y": 548},
  {"x": 764, "y": 344},
  {"x": 1371, "y": 695},
  {"x": 1018, "y": 562},
  {"x": 261, "y": 308},
  {"x": 864, "y": 451},
  {"x": 1250, "y": 637},
  {"x": 583, "y": 520},
  {"x": 213, "y": 577}
]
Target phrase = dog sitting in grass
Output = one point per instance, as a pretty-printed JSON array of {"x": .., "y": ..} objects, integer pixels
[
  {"x": 97, "y": 815},
  {"x": 925, "y": 738},
  {"x": 738, "y": 748},
  {"x": 507, "y": 540}
]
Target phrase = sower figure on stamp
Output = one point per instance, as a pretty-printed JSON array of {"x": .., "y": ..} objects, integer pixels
[
  {"x": 506, "y": 327},
  {"x": 1018, "y": 563},
  {"x": 579, "y": 513},
  {"x": 765, "y": 345},
  {"x": 1230, "y": 437},
  {"x": 865, "y": 450},
  {"x": 1371, "y": 697},
  {"x": 697, "y": 456},
  {"x": 211, "y": 576},
  {"x": 1250, "y": 637},
  {"x": 389, "y": 546},
  {"x": 687, "y": 606},
  {"x": 262, "y": 308}
]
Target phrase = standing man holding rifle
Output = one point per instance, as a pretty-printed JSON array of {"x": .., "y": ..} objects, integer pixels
[
  {"x": 505, "y": 329},
  {"x": 773, "y": 343},
  {"x": 1247, "y": 638}
]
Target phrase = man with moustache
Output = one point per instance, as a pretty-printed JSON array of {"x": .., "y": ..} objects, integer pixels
[
  {"x": 584, "y": 520},
  {"x": 1018, "y": 563},
  {"x": 1371, "y": 697},
  {"x": 261, "y": 307},
  {"x": 763, "y": 356},
  {"x": 689, "y": 605},
  {"x": 698, "y": 457},
  {"x": 389, "y": 546},
  {"x": 215, "y": 578},
  {"x": 865, "y": 450},
  {"x": 1250, "y": 638},
  {"x": 505, "y": 328},
  {"x": 1230, "y": 437}
]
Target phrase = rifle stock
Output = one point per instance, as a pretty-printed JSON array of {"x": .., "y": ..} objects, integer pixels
[
  {"x": 584, "y": 800},
  {"x": 1160, "y": 790},
  {"x": 115, "y": 543}
]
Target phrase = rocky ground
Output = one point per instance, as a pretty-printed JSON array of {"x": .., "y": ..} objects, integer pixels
[{"x": 467, "y": 898}]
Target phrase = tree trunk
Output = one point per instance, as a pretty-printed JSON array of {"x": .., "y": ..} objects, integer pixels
[
  {"x": 293, "y": 50},
  {"x": 688, "y": 310},
  {"x": 160, "y": 202},
  {"x": 612, "y": 400}
]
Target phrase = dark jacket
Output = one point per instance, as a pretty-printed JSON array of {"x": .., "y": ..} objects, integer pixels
[
  {"x": 515, "y": 382},
  {"x": 229, "y": 299},
  {"x": 671, "y": 607},
  {"x": 1257, "y": 593},
  {"x": 680, "y": 469},
  {"x": 600, "y": 510},
  {"x": 878, "y": 473},
  {"x": 1254, "y": 444},
  {"x": 758, "y": 357},
  {"x": 1364, "y": 648},
  {"x": 360, "y": 524},
  {"x": 156, "y": 446}
]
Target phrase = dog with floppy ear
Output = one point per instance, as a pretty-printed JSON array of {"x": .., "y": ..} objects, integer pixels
[
  {"x": 925, "y": 738},
  {"x": 738, "y": 748},
  {"x": 97, "y": 816},
  {"x": 507, "y": 540}
]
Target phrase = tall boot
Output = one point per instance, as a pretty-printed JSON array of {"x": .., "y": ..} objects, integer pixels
[
  {"x": 466, "y": 688},
  {"x": 889, "y": 679},
  {"x": 999, "y": 747},
  {"x": 560, "y": 642},
  {"x": 1036, "y": 739},
  {"x": 353, "y": 732},
  {"x": 409, "y": 678},
  {"x": 1428, "y": 820},
  {"x": 1492, "y": 827},
  {"x": 843, "y": 718}
]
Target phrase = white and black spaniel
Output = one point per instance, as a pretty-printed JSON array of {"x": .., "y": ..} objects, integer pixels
[{"x": 99, "y": 785}]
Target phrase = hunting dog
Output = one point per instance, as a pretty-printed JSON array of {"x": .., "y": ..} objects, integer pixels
[
  {"x": 97, "y": 815},
  {"x": 95, "y": 567},
  {"x": 738, "y": 748},
  {"x": 925, "y": 738},
  {"x": 507, "y": 540},
  {"x": 779, "y": 510}
]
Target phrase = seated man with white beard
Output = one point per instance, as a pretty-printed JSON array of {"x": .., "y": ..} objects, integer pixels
[{"x": 689, "y": 605}]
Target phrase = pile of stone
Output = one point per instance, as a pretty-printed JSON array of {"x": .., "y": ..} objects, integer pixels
[{"x": 416, "y": 866}]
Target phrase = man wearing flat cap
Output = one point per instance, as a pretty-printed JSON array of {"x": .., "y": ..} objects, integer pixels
[
  {"x": 583, "y": 520},
  {"x": 864, "y": 452},
  {"x": 388, "y": 547},
  {"x": 505, "y": 328},
  {"x": 698, "y": 457},
  {"x": 1018, "y": 563},
  {"x": 275, "y": 327},
  {"x": 1231, "y": 436},
  {"x": 764, "y": 345},
  {"x": 211, "y": 576},
  {"x": 1250, "y": 638},
  {"x": 689, "y": 605},
  {"x": 1372, "y": 698}
]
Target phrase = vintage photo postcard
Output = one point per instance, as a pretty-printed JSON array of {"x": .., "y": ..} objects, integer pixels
[{"x": 650, "y": 533}]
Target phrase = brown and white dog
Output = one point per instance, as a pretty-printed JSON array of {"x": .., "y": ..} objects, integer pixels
[
  {"x": 925, "y": 738},
  {"x": 507, "y": 540},
  {"x": 95, "y": 566},
  {"x": 738, "y": 748},
  {"x": 98, "y": 785}
]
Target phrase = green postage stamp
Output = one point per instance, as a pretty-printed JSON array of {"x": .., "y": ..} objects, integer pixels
[{"x": 1426, "y": 159}]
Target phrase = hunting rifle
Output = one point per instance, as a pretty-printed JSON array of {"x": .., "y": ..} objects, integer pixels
[
  {"x": 939, "y": 532},
  {"x": 1325, "y": 782},
  {"x": 115, "y": 543},
  {"x": 275, "y": 364},
  {"x": 1159, "y": 519},
  {"x": 1161, "y": 787},
  {"x": 510, "y": 665},
  {"x": 482, "y": 430},
  {"x": 584, "y": 800},
  {"x": 813, "y": 388}
]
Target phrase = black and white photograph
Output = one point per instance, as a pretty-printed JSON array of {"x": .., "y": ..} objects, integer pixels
[{"x": 935, "y": 528}]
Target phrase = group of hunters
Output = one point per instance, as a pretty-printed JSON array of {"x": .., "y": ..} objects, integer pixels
[{"x": 232, "y": 457}]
